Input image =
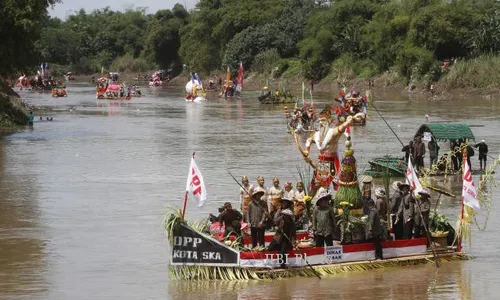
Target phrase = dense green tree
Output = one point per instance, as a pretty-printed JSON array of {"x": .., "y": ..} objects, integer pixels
[
  {"x": 384, "y": 36},
  {"x": 333, "y": 31},
  {"x": 199, "y": 51},
  {"x": 91, "y": 40},
  {"x": 215, "y": 23},
  {"x": 282, "y": 35},
  {"x": 20, "y": 25},
  {"x": 443, "y": 29},
  {"x": 317, "y": 38},
  {"x": 163, "y": 40},
  {"x": 485, "y": 38}
]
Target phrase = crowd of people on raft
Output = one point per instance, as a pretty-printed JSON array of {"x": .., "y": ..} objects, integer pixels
[
  {"x": 416, "y": 150},
  {"x": 226, "y": 89},
  {"x": 39, "y": 83},
  {"x": 302, "y": 118},
  {"x": 286, "y": 210},
  {"x": 351, "y": 103},
  {"x": 126, "y": 91}
]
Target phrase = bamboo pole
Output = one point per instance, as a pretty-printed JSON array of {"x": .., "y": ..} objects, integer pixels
[{"x": 459, "y": 242}]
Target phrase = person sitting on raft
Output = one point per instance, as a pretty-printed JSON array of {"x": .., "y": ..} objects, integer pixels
[{"x": 231, "y": 218}]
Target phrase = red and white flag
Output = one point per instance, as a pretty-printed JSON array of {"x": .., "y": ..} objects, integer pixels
[
  {"x": 347, "y": 131},
  {"x": 469, "y": 193},
  {"x": 195, "y": 184},
  {"x": 412, "y": 179}
]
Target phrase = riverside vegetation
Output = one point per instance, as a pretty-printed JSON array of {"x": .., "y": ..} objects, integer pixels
[{"x": 333, "y": 41}]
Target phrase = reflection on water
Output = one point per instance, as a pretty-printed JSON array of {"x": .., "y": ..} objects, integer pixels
[
  {"x": 112, "y": 106},
  {"x": 22, "y": 259},
  {"x": 82, "y": 197},
  {"x": 451, "y": 281}
]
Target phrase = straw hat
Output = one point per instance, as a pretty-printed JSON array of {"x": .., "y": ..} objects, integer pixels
[
  {"x": 290, "y": 201},
  {"x": 323, "y": 196},
  {"x": 395, "y": 185},
  {"x": 380, "y": 192},
  {"x": 404, "y": 184},
  {"x": 257, "y": 195},
  {"x": 425, "y": 193},
  {"x": 367, "y": 179}
]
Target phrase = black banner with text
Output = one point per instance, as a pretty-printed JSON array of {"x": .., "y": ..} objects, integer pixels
[{"x": 193, "y": 248}]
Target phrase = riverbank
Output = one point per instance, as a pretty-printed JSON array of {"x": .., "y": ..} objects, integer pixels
[
  {"x": 13, "y": 111},
  {"x": 471, "y": 78},
  {"x": 382, "y": 83}
]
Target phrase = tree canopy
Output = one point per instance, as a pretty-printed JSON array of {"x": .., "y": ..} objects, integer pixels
[
  {"x": 20, "y": 23},
  {"x": 315, "y": 38}
]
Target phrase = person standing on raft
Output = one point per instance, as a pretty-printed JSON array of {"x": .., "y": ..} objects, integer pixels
[
  {"x": 374, "y": 229},
  {"x": 284, "y": 239},
  {"x": 483, "y": 154},
  {"x": 256, "y": 216},
  {"x": 323, "y": 224},
  {"x": 245, "y": 198}
]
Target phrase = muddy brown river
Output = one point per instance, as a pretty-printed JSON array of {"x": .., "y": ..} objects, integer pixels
[{"x": 82, "y": 198}]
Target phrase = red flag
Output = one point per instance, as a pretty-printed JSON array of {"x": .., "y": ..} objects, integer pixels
[{"x": 240, "y": 75}]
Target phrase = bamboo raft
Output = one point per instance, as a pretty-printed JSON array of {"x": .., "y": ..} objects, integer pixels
[
  {"x": 393, "y": 166},
  {"x": 238, "y": 273}
]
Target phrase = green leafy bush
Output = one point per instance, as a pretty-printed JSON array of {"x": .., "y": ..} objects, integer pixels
[
  {"x": 266, "y": 61},
  {"x": 481, "y": 72},
  {"x": 414, "y": 61},
  {"x": 128, "y": 63},
  {"x": 293, "y": 67}
]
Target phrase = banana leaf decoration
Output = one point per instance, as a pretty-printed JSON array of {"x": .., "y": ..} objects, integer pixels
[{"x": 245, "y": 274}]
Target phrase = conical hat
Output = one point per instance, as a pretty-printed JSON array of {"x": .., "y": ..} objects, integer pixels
[
  {"x": 286, "y": 199},
  {"x": 425, "y": 193},
  {"x": 323, "y": 196},
  {"x": 380, "y": 192},
  {"x": 257, "y": 195}
]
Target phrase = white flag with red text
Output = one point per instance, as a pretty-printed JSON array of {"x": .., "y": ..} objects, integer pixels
[
  {"x": 469, "y": 193},
  {"x": 412, "y": 179},
  {"x": 195, "y": 184}
]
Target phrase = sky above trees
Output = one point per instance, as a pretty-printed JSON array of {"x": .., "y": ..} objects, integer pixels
[{"x": 69, "y": 7}]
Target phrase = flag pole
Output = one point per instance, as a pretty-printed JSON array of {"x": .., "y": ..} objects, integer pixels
[
  {"x": 185, "y": 202},
  {"x": 417, "y": 201},
  {"x": 185, "y": 199},
  {"x": 459, "y": 242}
]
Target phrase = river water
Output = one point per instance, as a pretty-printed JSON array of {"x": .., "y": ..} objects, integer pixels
[{"x": 82, "y": 198}]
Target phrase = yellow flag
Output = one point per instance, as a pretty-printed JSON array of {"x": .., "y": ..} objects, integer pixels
[{"x": 228, "y": 76}]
